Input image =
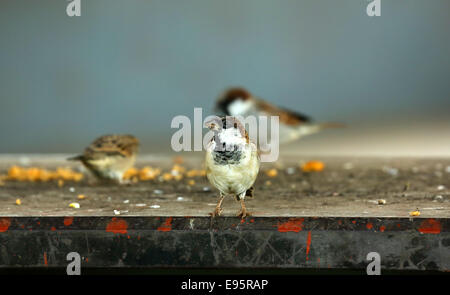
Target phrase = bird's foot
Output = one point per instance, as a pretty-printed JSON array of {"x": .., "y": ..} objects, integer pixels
[
  {"x": 243, "y": 213},
  {"x": 217, "y": 212}
]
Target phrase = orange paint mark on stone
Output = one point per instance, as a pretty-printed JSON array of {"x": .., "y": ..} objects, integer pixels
[
  {"x": 308, "y": 244},
  {"x": 252, "y": 220},
  {"x": 45, "y": 259},
  {"x": 430, "y": 226},
  {"x": 382, "y": 228},
  {"x": 369, "y": 225},
  {"x": 398, "y": 225},
  {"x": 53, "y": 228},
  {"x": 117, "y": 226},
  {"x": 5, "y": 222},
  {"x": 167, "y": 225},
  {"x": 68, "y": 221},
  {"x": 294, "y": 224},
  {"x": 339, "y": 222},
  {"x": 354, "y": 221}
]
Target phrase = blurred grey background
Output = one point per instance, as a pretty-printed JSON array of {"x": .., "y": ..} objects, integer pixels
[{"x": 131, "y": 66}]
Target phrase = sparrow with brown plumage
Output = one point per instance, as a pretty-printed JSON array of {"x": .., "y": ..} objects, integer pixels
[
  {"x": 240, "y": 102},
  {"x": 110, "y": 156},
  {"x": 232, "y": 162}
]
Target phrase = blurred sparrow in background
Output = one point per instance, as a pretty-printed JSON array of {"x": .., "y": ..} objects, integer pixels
[
  {"x": 232, "y": 162},
  {"x": 110, "y": 156},
  {"x": 293, "y": 125}
]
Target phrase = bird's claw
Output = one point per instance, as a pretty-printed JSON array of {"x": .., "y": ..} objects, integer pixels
[
  {"x": 217, "y": 212},
  {"x": 243, "y": 213}
]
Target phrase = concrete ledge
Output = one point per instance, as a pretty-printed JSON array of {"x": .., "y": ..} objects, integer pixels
[{"x": 259, "y": 242}]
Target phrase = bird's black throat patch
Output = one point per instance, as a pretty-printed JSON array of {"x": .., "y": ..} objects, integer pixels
[{"x": 229, "y": 156}]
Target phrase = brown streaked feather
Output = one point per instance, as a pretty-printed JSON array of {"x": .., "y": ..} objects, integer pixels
[
  {"x": 109, "y": 145},
  {"x": 285, "y": 116}
]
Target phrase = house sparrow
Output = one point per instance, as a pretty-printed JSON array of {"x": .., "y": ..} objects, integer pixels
[
  {"x": 110, "y": 156},
  {"x": 232, "y": 162},
  {"x": 240, "y": 102}
]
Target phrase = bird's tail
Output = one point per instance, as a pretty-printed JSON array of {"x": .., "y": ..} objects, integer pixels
[
  {"x": 307, "y": 129},
  {"x": 329, "y": 125},
  {"x": 75, "y": 158}
]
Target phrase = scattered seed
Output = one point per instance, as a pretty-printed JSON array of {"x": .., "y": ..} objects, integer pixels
[
  {"x": 415, "y": 213},
  {"x": 81, "y": 197},
  {"x": 272, "y": 172},
  {"x": 155, "y": 206},
  {"x": 126, "y": 201},
  {"x": 116, "y": 212},
  {"x": 72, "y": 189},
  {"x": 74, "y": 205},
  {"x": 440, "y": 188},
  {"x": 18, "y": 202},
  {"x": 381, "y": 202}
]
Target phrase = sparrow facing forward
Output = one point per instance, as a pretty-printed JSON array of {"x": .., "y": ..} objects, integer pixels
[
  {"x": 293, "y": 125},
  {"x": 110, "y": 156},
  {"x": 232, "y": 162}
]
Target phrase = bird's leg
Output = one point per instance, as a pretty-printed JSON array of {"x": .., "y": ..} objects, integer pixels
[
  {"x": 243, "y": 212},
  {"x": 218, "y": 209}
]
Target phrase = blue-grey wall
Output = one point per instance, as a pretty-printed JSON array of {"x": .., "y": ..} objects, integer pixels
[{"x": 130, "y": 66}]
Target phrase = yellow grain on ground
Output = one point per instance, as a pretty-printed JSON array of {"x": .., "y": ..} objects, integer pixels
[
  {"x": 272, "y": 172},
  {"x": 195, "y": 173},
  {"x": 149, "y": 173},
  {"x": 18, "y": 202},
  {"x": 130, "y": 173},
  {"x": 34, "y": 174},
  {"x": 313, "y": 166},
  {"x": 74, "y": 205},
  {"x": 167, "y": 176},
  {"x": 414, "y": 213}
]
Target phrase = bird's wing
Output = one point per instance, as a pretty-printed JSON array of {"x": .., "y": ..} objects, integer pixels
[
  {"x": 111, "y": 145},
  {"x": 286, "y": 116}
]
